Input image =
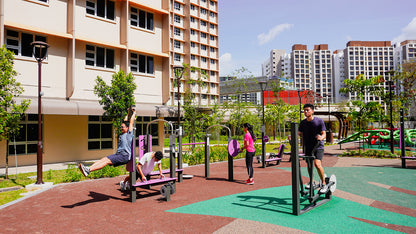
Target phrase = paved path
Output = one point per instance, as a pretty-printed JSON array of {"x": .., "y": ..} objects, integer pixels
[{"x": 99, "y": 206}]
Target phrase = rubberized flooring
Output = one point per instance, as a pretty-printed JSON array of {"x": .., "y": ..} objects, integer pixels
[{"x": 372, "y": 196}]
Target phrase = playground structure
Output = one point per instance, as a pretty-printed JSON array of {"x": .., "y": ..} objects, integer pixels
[{"x": 371, "y": 136}]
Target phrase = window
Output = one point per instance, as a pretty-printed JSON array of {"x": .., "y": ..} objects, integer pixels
[
  {"x": 203, "y": 59},
  {"x": 177, "y": 31},
  {"x": 19, "y": 42},
  {"x": 27, "y": 138},
  {"x": 203, "y": 23},
  {"x": 99, "y": 57},
  {"x": 203, "y": 35},
  {"x": 192, "y": 19},
  {"x": 203, "y": 47},
  {"x": 192, "y": 44},
  {"x": 192, "y": 32},
  {"x": 141, "y": 63},
  {"x": 192, "y": 57},
  {"x": 212, "y": 14},
  {"x": 211, "y": 26},
  {"x": 177, "y": 44},
  {"x": 101, "y": 8},
  {"x": 203, "y": 11},
  {"x": 177, "y": 57},
  {"x": 211, "y": 37},
  {"x": 177, "y": 6},
  {"x": 100, "y": 133},
  {"x": 141, "y": 19},
  {"x": 212, "y": 49},
  {"x": 212, "y": 61},
  {"x": 177, "y": 19},
  {"x": 192, "y": 7}
]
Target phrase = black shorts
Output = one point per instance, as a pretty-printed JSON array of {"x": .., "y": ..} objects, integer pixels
[
  {"x": 319, "y": 154},
  {"x": 118, "y": 159}
]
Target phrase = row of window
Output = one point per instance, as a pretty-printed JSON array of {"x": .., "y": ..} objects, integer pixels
[
  {"x": 96, "y": 56},
  {"x": 100, "y": 133},
  {"x": 370, "y": 58},
  {"x": 369, "y": 53}
]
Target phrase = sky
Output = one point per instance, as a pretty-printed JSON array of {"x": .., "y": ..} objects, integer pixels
[{"x": 250, "y": 29}]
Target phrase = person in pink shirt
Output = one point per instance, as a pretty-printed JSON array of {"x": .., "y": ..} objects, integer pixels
[{"x": 249, "y": 139}]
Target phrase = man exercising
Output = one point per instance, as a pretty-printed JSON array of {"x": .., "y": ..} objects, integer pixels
[
  {"x": 144, "y": 167},
  {"x": 123, "y": 154},
  {"x": 312, "y": 129}
]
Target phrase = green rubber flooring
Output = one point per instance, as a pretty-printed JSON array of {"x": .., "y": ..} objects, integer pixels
[{"x": 274, "y": 205}]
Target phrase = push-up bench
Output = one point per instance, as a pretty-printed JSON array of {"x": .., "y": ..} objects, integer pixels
[
  {"x": 276, "y": 158},
  {"x": 168, "y": 188}
]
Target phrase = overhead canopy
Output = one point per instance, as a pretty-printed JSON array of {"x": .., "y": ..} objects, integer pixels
[{"x": 72, "y": 107}]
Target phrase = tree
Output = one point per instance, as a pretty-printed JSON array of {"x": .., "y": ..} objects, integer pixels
[
  {"x": 116, "y": 98},
  {"x": 275, "y": 115},
  {"x": 237, "y": 108},
  {"x": 195, "y": 120},
  {"x": 360, "y": 86},
  {"x": 10, "y": 111}
]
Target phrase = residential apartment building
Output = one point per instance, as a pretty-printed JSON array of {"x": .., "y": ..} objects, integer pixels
[
  {"x": 370, "y": 58},
  {"x": 338, "y": 74},
  {"x": 90, "y": 38},
  {"x": 301, "y": 67},
  {"x": 322, "y": 82},
  {"x": 273, "y": 65},
  {"x": 194, "y": 41},
  {"x": 404, "y": 52}
]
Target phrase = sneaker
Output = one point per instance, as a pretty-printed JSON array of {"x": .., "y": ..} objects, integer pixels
[
  {"x": 324, "y": 189},
  {"x": 250, "y": 182},
  {"x": 84, "y": 170},
  {"x": 307, "y": 186},
  {"x": 126, "y": 186},
  {"x": 122, "y": 186}
]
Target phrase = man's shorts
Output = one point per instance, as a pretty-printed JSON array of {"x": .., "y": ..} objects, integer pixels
[
  {"x": 319, "y": 154},
  {"x": 118, "y": 159}
]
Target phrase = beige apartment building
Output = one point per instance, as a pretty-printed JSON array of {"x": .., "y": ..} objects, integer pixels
[
  {"x": 194, "y": 41},
  {"x": 90, "y": 38}
]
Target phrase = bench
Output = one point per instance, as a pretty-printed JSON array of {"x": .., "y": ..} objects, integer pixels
[
  {"x": 276, "y": 158},
  {"x": 154, "y": 182}
]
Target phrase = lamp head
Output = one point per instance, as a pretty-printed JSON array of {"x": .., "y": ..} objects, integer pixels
[{"x": 40, "y": 49}]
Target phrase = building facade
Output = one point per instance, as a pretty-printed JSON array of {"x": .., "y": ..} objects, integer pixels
[
  {"x": 370, "y": 58},
  {"x": 194, "y": 41},
  {"x": 90, "y": 38}
]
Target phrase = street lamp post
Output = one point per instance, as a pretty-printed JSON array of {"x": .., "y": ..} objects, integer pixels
[
  {"x": 40, "y": 50},
  {"x": 263, "y": 86},
  {"x": 391, "y": 111},
  {"x": 178, "y": 72},
  {"x": 300, "y": 106},
  {"x": 329, "y": 137}
]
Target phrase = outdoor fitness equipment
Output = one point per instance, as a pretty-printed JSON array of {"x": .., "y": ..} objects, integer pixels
[
  {"x": 297, "y": 184},
  {"x": 233, "y": 149},
  {"x": 145, "y": 145}
]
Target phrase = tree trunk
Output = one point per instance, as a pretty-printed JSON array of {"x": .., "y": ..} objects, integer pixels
[{"x": 7, "y": 160}]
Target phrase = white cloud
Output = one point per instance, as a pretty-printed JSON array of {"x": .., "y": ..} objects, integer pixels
[
  {"x": 349, "y": 38},
  {"x": 276, "y": 30},
  {"x": 408, "y": 32},
  {"x": 226, "y": 64}
]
